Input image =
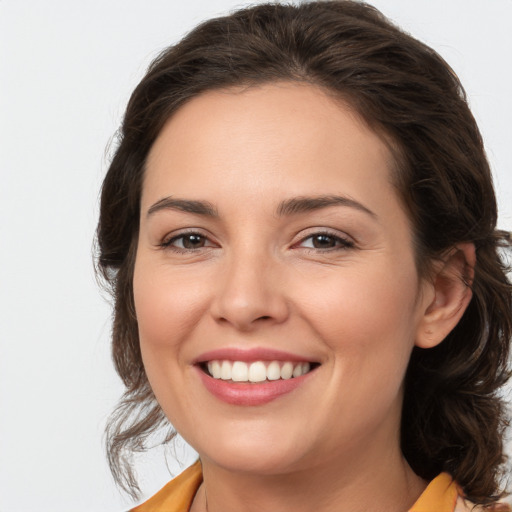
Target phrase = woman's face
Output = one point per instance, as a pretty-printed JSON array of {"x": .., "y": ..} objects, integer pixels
[{"x": 272, "y": 240}]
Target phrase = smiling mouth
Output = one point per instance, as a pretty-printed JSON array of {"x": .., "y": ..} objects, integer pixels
[{"x": 257, "y": 371}]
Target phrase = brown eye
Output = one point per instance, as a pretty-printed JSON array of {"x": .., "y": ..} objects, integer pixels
[
  {"x": 326, "y": 241},
  {"x": 323, "y": 241},
  {"x": 187, "y": 242},
  {"x": 192, "y": 241}
]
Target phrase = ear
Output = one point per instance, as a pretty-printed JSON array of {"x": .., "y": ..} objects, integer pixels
[{"x": 451, "y": 287}]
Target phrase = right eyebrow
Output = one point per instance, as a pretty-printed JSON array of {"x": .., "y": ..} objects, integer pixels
[{"x": 184, "y": 205}]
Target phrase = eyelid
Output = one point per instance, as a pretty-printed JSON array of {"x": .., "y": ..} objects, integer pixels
[
  {"x": 347, "y": 242},
  {"x": 344, "y": 241},
  {"x": 168, "y": 239}
]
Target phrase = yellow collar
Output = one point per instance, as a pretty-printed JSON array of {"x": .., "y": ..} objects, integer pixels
[
  {"x": 177, "y": 495},
  {"x": 439, "y": 496}
]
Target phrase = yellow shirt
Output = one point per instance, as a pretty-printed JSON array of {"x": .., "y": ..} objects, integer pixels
[{"x": 441, "y": 495}]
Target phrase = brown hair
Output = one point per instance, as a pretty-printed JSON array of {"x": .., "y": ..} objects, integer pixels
[{"x": 453, "y": 417}]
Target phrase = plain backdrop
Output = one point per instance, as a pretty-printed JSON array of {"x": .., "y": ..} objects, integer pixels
[{"x": 66, "y": 71}]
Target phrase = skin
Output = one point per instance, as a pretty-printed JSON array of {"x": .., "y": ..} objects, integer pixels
[{"x": 254, "y": 279}]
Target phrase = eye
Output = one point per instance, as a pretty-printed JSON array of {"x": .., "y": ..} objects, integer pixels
[
  {"x": 187, "y": 242},
  {"x": 326, "y": 241}
]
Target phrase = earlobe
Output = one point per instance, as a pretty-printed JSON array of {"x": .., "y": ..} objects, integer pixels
[{"x": 451, "y": 296}]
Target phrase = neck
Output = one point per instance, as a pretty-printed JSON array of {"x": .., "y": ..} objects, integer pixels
[{"x": 377, "y": 479}]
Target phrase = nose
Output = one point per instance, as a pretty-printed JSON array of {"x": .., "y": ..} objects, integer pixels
[{"x": 250, "y": 293}]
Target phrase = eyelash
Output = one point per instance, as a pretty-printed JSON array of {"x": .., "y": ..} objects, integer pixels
[
  {"x": 167, "y": 244},
  {"x": 343, "y": 243}
]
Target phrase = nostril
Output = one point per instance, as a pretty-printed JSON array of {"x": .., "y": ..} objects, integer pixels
[{"x": 247, "y": 311}]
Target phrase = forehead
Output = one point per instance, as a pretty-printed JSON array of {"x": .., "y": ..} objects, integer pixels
[{"x": 255, "y": 141}]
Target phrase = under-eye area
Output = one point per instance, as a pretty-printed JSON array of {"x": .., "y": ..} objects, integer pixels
[{"x": 256, "y": 371}]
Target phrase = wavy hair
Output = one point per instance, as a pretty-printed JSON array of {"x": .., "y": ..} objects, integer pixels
[{"x": 453, "y": 418}]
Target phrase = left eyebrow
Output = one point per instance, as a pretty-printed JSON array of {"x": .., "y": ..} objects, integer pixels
[{"x": 304, "y": 204}]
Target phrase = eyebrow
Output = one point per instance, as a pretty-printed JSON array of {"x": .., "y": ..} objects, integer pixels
[
  {"x": 298, "y": 205},
  {"x": 184, "y": 205},
  {"x": 293, "y": 206}
]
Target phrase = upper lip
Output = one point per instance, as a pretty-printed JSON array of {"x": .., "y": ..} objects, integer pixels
[{"x": 250, "y": 355}]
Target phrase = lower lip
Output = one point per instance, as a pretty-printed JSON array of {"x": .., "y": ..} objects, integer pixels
[{"x": 241, "y": 393}]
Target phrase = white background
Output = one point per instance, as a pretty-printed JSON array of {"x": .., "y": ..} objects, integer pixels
[{"x": 66, "y": 70}]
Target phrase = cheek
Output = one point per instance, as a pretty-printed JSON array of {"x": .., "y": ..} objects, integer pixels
[
  {"x": 368, "y": 320},
  {"x": 365, "y": 301},
  {"x": 166, "y": 308}
]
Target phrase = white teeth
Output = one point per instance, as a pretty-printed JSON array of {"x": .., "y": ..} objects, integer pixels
[
  {"x": 287, "y": 371},
  {"x": 273, "y": 371},
  {"x": 215, "y": 371},
  {"x": 297, "y": 371},
  {"x": 240, "y": 371},
  {"x": 257, "y": 372},
  {"x": 225, "y": 370}
]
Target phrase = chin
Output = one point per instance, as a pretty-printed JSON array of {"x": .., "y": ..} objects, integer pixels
[
  {"x": 255, "y": 463},
  {"x": 248, "y": 452}
]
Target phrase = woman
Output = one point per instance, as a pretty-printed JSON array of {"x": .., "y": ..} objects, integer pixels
[{"x": 299, "y": 230}]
